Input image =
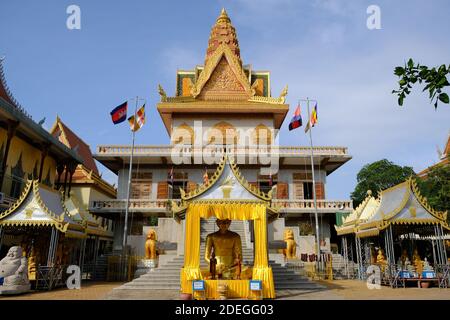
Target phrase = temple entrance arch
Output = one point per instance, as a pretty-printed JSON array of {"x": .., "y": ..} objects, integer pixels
[{"x": 228, "y": 196}]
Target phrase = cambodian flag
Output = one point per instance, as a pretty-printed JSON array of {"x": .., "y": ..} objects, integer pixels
[
  {"x": 119, "y": 114},
  {"x": 296, "y": 121}
]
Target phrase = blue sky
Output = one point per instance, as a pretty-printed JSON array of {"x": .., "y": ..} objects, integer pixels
[{"x": 322, "y": 49}]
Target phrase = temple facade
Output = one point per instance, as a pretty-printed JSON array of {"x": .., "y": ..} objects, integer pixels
[
  {"x": 222, "y": 107},
  {"x": 47, "y": 181}
]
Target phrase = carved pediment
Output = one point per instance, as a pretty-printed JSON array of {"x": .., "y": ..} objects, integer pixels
[{"x": 222, "y": 78}]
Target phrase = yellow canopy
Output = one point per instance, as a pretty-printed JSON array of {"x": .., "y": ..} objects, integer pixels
[{"x": 232, "y": 211}]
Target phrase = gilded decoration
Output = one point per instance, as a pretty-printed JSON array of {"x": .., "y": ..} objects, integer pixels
[
  {"x": 372, "y": 228},
  {"x": 58, "y": 220},
  {"x": 227, "y": 131},
  {"x": 183, "y": 134},
  {"x": 211, "y": 65},
  {"x": 223, "y": 79},
  {"x": 162, "y": 93}
]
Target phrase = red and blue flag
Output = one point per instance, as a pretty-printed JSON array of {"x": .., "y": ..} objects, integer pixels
[
  {"x": 119, "y": 114},
  {"x": 296, "y": 121}
]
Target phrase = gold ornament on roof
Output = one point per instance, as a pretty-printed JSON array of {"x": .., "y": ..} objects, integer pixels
[
  {"x": 162, "y": 93},
  {"x": 283, "y": 94}
]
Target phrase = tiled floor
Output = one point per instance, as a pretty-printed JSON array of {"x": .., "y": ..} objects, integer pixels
[{"x": 336, "y": 290}]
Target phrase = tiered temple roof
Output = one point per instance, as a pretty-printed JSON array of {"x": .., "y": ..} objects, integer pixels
[
  {"x": 223, "y": 84},
  {"x": 40, "y": 205},
  {"x": 87, "y": 172},
  {"x": 359, "y": 215},
  {"x": 401, "y": 205},
  {"x": 71, "y": 140},
  {"x": 28, "y": 129}
]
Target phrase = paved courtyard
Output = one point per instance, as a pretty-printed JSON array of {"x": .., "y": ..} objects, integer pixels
[{"x": 335, "y": 290}]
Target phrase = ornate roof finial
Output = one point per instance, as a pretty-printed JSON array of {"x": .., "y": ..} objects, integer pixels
[
  {"x": 223, "y": 32},
  {"x": 223, "y": 17}
]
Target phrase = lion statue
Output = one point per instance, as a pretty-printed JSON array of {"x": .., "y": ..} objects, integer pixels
[{"x": 291, "y": 246}]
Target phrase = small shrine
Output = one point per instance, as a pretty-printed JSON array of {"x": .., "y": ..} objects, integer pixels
[
  {"x": 401, "y": 234},
  {"x": 51, "y": 230},
  {"x": 226, "y": 196}
]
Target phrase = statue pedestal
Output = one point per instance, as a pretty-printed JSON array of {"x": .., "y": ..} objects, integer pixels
[
  {"x": 145, "y": 266},
  {"x": 17, "y": 289}
]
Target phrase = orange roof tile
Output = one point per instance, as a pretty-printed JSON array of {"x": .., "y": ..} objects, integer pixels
[{"x": 71, "y": 140}]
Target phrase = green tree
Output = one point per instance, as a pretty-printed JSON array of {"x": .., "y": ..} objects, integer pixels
[
  {"x": 153, "y": 221},
  {"x": 436, "y": 187},
  {"x": 434, "y": 78},
  {"x": 378, "y": 176}
]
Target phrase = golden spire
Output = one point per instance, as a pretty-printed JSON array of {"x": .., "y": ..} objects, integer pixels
[
  {"x": 223, "y": 17},
  {"x": 223, "y": 32}
]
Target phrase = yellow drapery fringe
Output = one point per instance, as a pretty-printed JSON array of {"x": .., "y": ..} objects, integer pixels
[{"x": 233, "y": 211}]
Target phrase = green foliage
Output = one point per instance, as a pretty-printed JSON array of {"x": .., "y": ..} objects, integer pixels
[
  {"x": 378, "y": 176},
  {"x": 435, "y": 80},
  {"x": 436, "y": 187},
  {"x": 153, "y": 221}
]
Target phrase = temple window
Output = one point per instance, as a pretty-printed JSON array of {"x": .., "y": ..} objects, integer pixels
[
  {"x": 303, "y": 186},
  {"x": 264, "y": 183},
  {"x": 180, "y": 180},
  {"x": 141, "y": 185},
  {"x": 223, "y": 133},
  {"x": 262, "y": 135},
  {"x": 183, "y": 134}
]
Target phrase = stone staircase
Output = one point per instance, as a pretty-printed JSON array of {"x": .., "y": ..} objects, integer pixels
[
  {"x": 339, "y": 269},
  {"x": 167, "y": 276}
]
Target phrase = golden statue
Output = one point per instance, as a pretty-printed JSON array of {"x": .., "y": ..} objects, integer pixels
[
  {"x": 227, "y": 249},
  {"x": 381, "y": 259},
  {"x": 291, "y": 246},
  {"x": 417, "y": 262},
  {"x": 151, "y": 252},
  {"x": 32, "y": 268}
]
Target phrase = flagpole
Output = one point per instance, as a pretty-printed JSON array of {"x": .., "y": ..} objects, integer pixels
[
  {"x": 125, "y": 229},
  {"x": 314, "y": 183}
]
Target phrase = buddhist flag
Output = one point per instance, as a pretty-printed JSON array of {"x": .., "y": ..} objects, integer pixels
[
  {"x": 119, "y": 114},
  {"x": 136, "y": 122},
  {"x": 314, "y": 116},
  {"x": 296, "y": 121},
  {"x": 313, "y": 120}
]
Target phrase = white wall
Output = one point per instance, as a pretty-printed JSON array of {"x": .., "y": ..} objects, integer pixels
[
  {"x": 205, "y": 124},
  {"x": 196, "y": 175}
]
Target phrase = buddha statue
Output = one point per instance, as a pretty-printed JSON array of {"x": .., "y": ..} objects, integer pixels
[
  {"x": 426, "y": 265},
  {"x": 151, "y": 251},
  {"x": 404, "y": 257},
  {"x": 14, "y": 271},
  {"x": 32, "y": 265},
  {"x": 227, "y": 249},
  {"x": 417, "y": 262},
  {"x": 381, "y": 259},
  {"x": 291, "y": 246}
]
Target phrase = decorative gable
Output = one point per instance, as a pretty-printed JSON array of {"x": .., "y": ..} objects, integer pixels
[{"x": 223, "y": 78}]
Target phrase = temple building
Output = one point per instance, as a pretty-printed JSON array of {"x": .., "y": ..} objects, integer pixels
[
  {"x": 222, "y": 107},
  {"x": 47, "y": 181},
  {"x": 27, "y": 150}
]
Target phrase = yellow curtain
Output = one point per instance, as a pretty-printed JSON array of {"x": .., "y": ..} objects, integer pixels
[
  {"x": 261, "y": 269},
  {"x": 233, "y": 211}
]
